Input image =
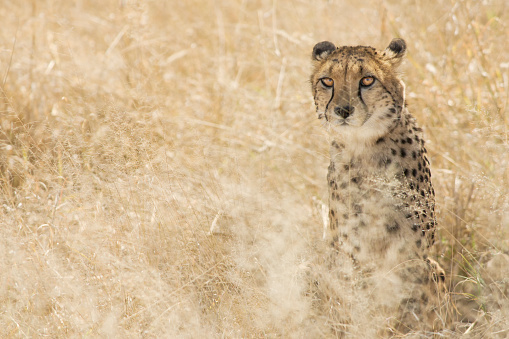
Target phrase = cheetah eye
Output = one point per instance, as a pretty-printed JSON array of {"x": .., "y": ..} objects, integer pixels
[
  {"x": 327, "y": 82},
  {"x": 367, "y": 81}
]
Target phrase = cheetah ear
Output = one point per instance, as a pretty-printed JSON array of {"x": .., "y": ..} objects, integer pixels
[
  {"x": 395, "y": 52},
  {"x": 322, "y": 50}
]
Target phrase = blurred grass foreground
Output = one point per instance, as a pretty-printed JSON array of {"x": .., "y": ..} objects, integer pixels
[{"x": 162, "y": 170}]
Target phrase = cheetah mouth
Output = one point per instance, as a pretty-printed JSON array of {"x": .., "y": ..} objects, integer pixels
[
  {"x": 341, "y": 122},
  {"x": 336, "y": 121}
]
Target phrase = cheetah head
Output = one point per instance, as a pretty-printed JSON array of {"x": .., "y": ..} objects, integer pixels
[{"x": 357, "y": 90}]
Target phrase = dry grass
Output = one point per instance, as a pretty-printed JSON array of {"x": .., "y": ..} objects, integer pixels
[{"x": 161, "y": 163}]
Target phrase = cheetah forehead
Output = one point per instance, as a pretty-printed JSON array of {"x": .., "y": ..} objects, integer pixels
[{"x": 360, "y": 60}]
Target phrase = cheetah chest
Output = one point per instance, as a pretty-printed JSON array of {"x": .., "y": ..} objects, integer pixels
[{"x": 377, "y": 213}]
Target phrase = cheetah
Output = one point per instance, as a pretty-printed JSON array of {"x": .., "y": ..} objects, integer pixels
[{"x": 381, "y": 200}]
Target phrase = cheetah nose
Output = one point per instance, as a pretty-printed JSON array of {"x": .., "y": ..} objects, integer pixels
[{"x": 344, "y": 111}]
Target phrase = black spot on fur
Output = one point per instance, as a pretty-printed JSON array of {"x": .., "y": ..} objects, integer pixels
[
  {"x": 403, "y": 153},
  {"x": 380, "y": 140},
  {"x": 393, "y": 151},
  {"x": 357, "y": 208},
  {"x": 334, "y": 241},
  {"x": 334, "y": 223},
  {"x": 392, "y": 228},
  {"x": 414, "y": 172}
]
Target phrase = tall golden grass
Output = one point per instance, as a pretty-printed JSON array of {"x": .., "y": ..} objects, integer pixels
[{"x": 163, "y": 170}]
